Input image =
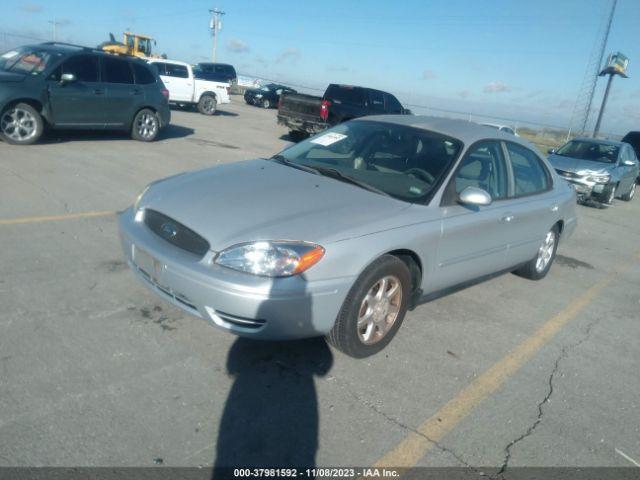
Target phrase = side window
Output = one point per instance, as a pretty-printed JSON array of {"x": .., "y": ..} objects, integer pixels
[
  {"x": 393, "y": 105},
  {"x": 117, "y": 70},
  {"x": 143, "y": 74},
  {"x": 377, "y": 101},
  {"x": 529, "y": 174},
  {"x": 160, "y": 67},
  {"x": 179, "y": 71},
  {"x": 84, "y": 67},
  {"x": 484, "y": 167}
]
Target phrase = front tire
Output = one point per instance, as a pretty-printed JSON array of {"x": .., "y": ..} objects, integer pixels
[
  {"x": 21, "y": 124},
  {"x": 538, "y": 267},
  {"x": 610, "y": 195},
  {"x": 266, "y": 103},
  {"x": 146, "y": 126},
  {"x": 627, "y": 197},
  {"x": 207, "y": 105},
  {"x": 374, "y": 308}
]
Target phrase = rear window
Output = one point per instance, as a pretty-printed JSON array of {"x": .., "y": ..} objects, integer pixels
[
  {"x": 143, "y": 74},
  {"x": 345, "y": 95},
  {"x": 117, "y": 71}
]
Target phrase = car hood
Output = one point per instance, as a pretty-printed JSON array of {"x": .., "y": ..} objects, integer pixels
[
  {"x": 10, "y": 77},
  {"x": 264, "y": 200},
  {"x": 577, "y": 165}
]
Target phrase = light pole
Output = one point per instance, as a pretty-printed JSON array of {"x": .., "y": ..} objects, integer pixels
[
  {"x": 215, "y": 25},
  {"x": 55, "y": 28},
  {"x": 616, "y": 65}
]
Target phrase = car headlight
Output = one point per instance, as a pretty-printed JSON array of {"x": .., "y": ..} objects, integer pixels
[
  {"x": 258, "y": 95},
  {"x": 271, "y": 259},
  {"x": 599, "y": 178}
]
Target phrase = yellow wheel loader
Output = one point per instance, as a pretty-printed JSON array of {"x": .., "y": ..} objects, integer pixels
[{"x": 132, "y": 44}]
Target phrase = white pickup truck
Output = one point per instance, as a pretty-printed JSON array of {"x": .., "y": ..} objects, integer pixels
[{"x": 185, "y": 89}]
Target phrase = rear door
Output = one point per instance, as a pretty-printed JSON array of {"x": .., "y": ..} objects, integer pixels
[
  {"x": 474, "y": 240},
  {"x": 122, "y": 94},
  {"x": 179, "y": 83},
  {"x": 534, "y": 204},
  {"x": 80, "y": 103}
]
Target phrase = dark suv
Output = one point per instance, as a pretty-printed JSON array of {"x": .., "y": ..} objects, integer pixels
[
  {"x": 216, "y": 72},
  {"x": 72, "y": 87}
]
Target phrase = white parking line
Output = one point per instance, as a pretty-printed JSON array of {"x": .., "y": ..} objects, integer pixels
[{"x": 627, "y": 457}]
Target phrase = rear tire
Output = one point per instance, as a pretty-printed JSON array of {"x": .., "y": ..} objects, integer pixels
[
  {"x": 296, "y": 135},
  {"x": 539, "y": 266},
  {"x": 146, "y": 126},
  {"x": 627, "y": 197},
  {"x": 374, "y": 308},
  {"x": 207, "y": 105},
  {"x": 21, "y": 124}
]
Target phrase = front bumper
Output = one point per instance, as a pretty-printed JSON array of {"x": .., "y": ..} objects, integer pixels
[
  {"x": 244, "y": 304},
  {"x": 586, "y": 190}
]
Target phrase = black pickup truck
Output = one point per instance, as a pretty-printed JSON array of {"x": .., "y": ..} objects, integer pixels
[{"x": 308, "y": 114}]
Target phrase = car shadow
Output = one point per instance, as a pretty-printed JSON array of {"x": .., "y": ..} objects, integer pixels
[
  {"x": 63, "y": 136},
  {"x": 224, "y": 113},
  {"x": 271, "y": 416}
]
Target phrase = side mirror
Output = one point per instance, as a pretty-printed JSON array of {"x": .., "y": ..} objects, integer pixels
[
  {"x": 474, "y": 196},
  {"x": 551, "y": 151},
  {"x": 67, "y": 78},
  {"x": 628, "y": 163}
]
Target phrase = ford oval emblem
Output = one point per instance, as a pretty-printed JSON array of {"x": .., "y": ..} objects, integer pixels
[{"x": 169, "y": 230}]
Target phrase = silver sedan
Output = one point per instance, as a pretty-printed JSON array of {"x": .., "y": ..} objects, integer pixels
[{"x": 342, "y": 233}]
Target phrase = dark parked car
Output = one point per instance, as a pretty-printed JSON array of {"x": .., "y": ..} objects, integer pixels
[
  {"x": 266, "y": 96},
  {"x": 633, "y": 139},
  {"x": 307, "y": 114},
  {"x": 72, "y": 87},
  {"x": 216, "y": 72},
  {"x": 599, "y": 170}
]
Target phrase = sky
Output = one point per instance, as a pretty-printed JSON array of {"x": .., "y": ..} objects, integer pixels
[{"x": 517, "y": 59}]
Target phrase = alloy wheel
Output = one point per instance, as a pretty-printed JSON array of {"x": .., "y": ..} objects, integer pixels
[
  {"x": 209, "y": 105},
  {"x": 147, "y": 125},
  {"x": 379, "y": 309},
  {"x": 545, "y": 252},
  {"x": 18, "y": 124}
]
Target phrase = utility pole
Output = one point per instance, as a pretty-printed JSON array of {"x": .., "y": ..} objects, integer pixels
[
  {"x": 55, "y": 28},
  {"x": 215, "y": 25}
]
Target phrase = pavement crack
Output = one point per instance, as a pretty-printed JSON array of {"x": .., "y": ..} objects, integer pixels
[
  {"x": 556, "y": 366},
  {"x": 408, "y": 428}
]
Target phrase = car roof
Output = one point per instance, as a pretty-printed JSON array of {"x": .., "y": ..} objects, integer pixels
[
  {"x": 164, "y": 60},
  {"x": 71, "y": 49},
  {"x": 464, "y": 130},
  {"x": 601, "y": 141}
]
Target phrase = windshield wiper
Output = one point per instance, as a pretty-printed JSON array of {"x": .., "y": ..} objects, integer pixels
[
  {"x": 338, "y": 175},
  {"x": 283, "y": 160}
]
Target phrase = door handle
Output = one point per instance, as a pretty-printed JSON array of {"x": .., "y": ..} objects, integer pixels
[
  {"x": 554, "y": 208},
  {"x": 98, "y": 91},
  {"x": 507, "y": 218},
  {"x": 136, "y": 91}
]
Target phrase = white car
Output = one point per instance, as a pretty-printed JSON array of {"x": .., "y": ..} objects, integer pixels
[
  {"x": 502, "y": 128},
  {"x": 185, "y": 89}
]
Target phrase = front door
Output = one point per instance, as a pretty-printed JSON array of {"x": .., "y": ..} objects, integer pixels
[
  {"x": 79, "y": 103},
  {"x": 474, "y": 239},
  {"x": 177, "y": 80}
]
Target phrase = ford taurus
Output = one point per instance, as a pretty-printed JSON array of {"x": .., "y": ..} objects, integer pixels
[{"x": 340, "y": 234}]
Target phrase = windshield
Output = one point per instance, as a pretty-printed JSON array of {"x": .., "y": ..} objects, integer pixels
[
  {"x": 403, "y": 162},
  {"x": 593, "y": 151},
  {"x": 25, "y": 60}
]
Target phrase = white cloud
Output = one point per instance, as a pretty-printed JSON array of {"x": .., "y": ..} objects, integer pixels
[
  {"x": 428, "y": 75},
  {"x": 496, "y": 87},
  {"x": 237, "y": 46},
  {"x": 31, "y": 8},
  {"x": 289, "y": 54}
]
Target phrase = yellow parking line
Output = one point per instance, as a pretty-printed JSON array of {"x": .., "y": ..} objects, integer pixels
[
  {"x": 415, "y": 445},
  {"x": 55, "y": 218}
]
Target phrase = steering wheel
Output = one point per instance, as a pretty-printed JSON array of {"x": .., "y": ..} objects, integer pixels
[{"x": 419, "y": 173}]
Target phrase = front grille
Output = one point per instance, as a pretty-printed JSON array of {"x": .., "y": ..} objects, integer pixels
[{"x": 175, "y": 233}]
